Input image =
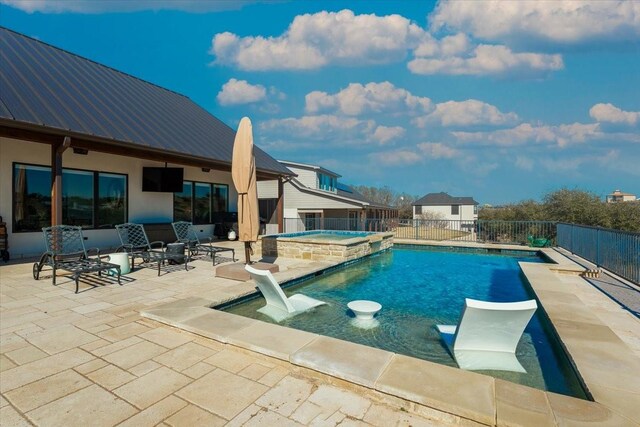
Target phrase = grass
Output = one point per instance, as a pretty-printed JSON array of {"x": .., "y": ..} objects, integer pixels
[{"x": 428, "y": 233}]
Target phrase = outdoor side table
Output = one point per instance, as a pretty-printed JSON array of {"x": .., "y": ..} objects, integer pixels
[{"x": 121, "y": 259}]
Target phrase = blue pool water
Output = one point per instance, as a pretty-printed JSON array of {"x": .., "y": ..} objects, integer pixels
[{"x": 419, "y": 289}]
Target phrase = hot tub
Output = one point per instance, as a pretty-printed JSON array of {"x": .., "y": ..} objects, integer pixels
[{"x": 324, "y": 245}]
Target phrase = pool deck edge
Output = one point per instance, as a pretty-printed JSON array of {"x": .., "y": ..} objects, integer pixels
[{"x": 479, "y": 398}]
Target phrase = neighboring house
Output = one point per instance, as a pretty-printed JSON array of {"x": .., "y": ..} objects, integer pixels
[
  {"x": 445, "y": 207},
  {"x": 315, "y": 198},
  {"x": 96, "y": 128},
  {"x": 619, "y": 196}
]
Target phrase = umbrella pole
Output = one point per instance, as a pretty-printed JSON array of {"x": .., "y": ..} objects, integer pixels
[{"x": 247, "y": 252}]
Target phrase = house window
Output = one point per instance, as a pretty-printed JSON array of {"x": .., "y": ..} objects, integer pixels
[
  {"x": 202, "y": 203},
  {"x": 475, "y": 209},
  {"x": 220, "y": 198},
  {"x": 455, "y": 209},
  {"x": 199, "y": 201},
  {"x": 77, "y": 198},
  {"x": 418, "y": 210},
  {"x": 89, "y": 199},
  {"x": 112, "y": 200},
  {"x": 182, "y": 203},
  {"x": 326, "y": 182}
]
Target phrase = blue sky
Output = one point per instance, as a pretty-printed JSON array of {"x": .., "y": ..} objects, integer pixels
[{"x": 502, "y": 101}]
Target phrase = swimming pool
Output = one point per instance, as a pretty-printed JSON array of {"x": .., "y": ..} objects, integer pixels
[{"x": 419, "y": 289}]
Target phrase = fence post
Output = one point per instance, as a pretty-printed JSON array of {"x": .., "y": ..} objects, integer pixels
[{"x": 415, "y": 227}]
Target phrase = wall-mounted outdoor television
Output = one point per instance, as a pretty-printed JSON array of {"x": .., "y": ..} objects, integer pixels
[{"x": 166, "y": 180}]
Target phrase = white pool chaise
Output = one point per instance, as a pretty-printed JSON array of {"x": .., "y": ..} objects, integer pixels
[
  {"x": 488, "y": 334},
  {"x": 279, "y": 307}
]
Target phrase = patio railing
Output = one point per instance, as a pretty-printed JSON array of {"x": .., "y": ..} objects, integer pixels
[{"x": 616, "y": 251}]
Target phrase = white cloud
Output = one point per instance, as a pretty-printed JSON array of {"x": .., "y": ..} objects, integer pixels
[
  {"x": 111, "y": 6},
  {"x": 315, "y": 40},
  {"x": 384, "y": 134},
  {"x": 373, "y": 97},
  {"x": 236, "y": 92},
  {"x": 466, "y": 113},
  {"x": 438, "y": 150},
  {"x": 343, "y": 38},
  {"x": 395, "y": 158},
  {"x": 525, "y": 163},
  {"x": 325, "y": 128},
  {"x": 525, "y": 133},
  {"x": 558, "y": 22},
  {"x": 487, "y": 59},
  {"x": 609, "y": 113}
]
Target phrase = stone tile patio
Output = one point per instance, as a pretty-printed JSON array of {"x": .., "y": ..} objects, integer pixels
[{"x": 90, "y": 358}]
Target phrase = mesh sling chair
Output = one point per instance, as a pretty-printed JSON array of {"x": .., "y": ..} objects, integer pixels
[
  {"x": 136, "y": 243},
  {"x": 187, "y": 235},
  {"x": 65, "y": 250}
]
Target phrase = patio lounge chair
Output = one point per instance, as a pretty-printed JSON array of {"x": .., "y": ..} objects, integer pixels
[
  {"x": 279, "y": 307},
  {"x": 136, "y": 243},
  {"x": 538, "y": 242},
  {"x": 187, "y": 235},
  {"x": 66, "y": 251},
  {"x": 488, "y": 334}
]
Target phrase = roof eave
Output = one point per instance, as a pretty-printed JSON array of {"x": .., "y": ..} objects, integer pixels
[{"x": 49, "y": 135}]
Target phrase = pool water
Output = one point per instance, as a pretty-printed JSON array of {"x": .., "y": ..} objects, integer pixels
[
  {"x": 419, "y": 289},
  {"x": 325, "y": 234},
  {"x": 328, "y": 237}
]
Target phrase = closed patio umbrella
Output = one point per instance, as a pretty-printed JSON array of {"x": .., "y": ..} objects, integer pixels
[{"x": 243, "y": 172}]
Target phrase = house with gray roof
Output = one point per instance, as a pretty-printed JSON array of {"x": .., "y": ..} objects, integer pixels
[
  {"x": 77, "y": 139},
  {"x": 442, "y": 206},
  {"x": 315, "y": 198}
]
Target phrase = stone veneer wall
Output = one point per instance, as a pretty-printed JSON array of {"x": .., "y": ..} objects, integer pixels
[{"x": 316, "y": 250}]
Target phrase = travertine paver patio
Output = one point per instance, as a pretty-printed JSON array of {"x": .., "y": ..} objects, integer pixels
[
  {"x": 68, "y": 359},
  {"x": 90, "y": 359}
]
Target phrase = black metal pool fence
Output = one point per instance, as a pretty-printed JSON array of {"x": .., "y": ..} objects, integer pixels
[
  {"x": 513, "y": 232},
  {"x": 616, "y": 251}
]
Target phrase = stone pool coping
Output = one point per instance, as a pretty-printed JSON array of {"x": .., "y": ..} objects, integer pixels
[{"x": 603, "y": 361}]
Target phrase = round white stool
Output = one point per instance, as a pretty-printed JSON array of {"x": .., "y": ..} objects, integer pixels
[
  {"x": 363, "y": 309},
  {"x": 121, "y": 259}
]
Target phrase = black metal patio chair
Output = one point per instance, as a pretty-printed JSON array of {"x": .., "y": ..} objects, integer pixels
[
  {"x": 187, "y": 235},
  {"x": 136, "y": 243},
  {"x": 66, "y": 251}
]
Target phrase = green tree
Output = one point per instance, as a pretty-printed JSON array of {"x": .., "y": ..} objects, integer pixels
[
  {"x": 575, "y": 206},
  {"x": 624, "y": 216}
]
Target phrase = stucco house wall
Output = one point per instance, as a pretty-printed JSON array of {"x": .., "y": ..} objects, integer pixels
[{"x": 144, "y": 207}]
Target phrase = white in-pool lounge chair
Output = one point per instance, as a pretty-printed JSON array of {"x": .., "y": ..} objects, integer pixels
[
  {"x": 488, "y": 334},
  {"x": 279, "y": 307}
]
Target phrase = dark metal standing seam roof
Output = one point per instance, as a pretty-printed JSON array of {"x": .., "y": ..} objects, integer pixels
[
  {"x": 51, "y": 88},
  {"x": 443, "y": 199}
]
